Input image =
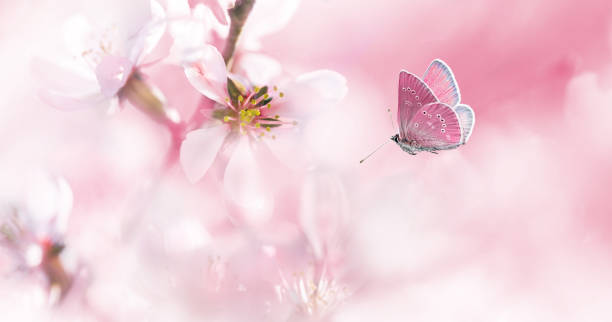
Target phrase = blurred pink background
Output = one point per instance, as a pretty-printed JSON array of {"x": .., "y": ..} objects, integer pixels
[{"x": 513, "y": 226}]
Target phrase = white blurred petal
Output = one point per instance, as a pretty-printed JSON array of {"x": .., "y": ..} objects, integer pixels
[
  {"x": 199, "y": 150},
  {"x": 268, "y": 16},
  {"x": 64, "y": 205},
  {"x": 63, "y": 102},
  {"x": 150, "y": 35},
  {"x": 289, "y": 149},
  {"x": 77, "y": 34},
  {"x": 48, "y": 199},
  {"x": 259, "y": 69},
  {"x": 315, "y": 91},
  {"x": 246, "y": 184},
  {"x": 324, "y": 210}
]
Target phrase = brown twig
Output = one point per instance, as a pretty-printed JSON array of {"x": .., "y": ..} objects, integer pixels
[{"x": 238, "y": 16}]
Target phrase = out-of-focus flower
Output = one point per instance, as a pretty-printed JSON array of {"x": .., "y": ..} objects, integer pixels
[
  {"x": 104, "y": 69},
  {"x": 33, "y": 231},
  {"x": 323, "y": 212},
  {"x": 253, "y": 106},
  {"x": 311, "y": 293}
]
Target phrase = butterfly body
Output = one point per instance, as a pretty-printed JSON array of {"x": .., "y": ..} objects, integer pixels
[
  {"x": 430, "y": 117},
  {"x": 413, "y": 147}
]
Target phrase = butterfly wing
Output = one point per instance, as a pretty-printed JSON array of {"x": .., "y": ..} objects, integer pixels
[
  {"x": 412, "y": 95},
  {"x": 467, "y": 119},
  {"x": 441, "y": 80},
  {"x": 435, "y": 125}
]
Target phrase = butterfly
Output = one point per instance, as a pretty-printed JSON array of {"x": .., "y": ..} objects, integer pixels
[
  {"x": 430, "y": 116},
  {"x": 429, "y": 113}
]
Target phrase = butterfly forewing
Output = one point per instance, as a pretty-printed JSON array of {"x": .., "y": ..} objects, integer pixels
[
  {"x": 441, "y": 80},
  {"x": 435, "y": 125},
  {"x": 467, "y": 119},
  {"x": 413, "y": 94}
]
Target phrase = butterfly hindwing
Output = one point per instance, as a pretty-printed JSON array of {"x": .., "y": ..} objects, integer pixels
[
  {"x": 435, "y": 125},
  {"x": 439, "y": 77},
  {"x": 467, "y": 119},
  {"x": 413, "y": 94}
]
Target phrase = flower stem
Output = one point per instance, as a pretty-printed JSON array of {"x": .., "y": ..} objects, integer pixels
[{"x": 238, "y": 15}]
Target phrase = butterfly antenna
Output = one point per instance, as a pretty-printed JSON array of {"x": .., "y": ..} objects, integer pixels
[{"x": 378, "y": 148}]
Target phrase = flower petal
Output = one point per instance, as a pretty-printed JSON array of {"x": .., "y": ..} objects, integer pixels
[
  {"x": 268, "y": 16},
  {"x": 78, "y": 32},
  {"x": 324, "y": 211},
  {"x": 314, "y": 91},
  {"x": 259, "y": 69},
  {"x": 150, "y": 35},
  {"x": 49, "y": 202},
  {"x": 112, "y": 73},
  {"x": 64, "y": 102},
  {"x": 61, "y": 78},
  {"x": 217, "y": 8},
  {"x": 246, "y": 185},
  {"x": 205, "y": 69},
  {"x": 199, "y": 149}
]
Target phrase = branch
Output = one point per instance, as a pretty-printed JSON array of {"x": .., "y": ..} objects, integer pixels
[{"x": 238, "y": 16}]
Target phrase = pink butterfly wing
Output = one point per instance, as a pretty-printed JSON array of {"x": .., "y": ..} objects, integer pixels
[
  {"x": 412, "y": 95},
  {"x": 467, "y": 118},
  {"x": 441, "y": 80},
  {"x": 435, "y": 125}
]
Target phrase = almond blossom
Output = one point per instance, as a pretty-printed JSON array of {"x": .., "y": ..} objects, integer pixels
[
  {"x": 32, "y": 230},
  {"x": 251, "y": 109},
  {"x": 105, "y": 66}
]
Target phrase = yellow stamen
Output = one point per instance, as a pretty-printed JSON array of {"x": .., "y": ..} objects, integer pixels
[{"x": 281, "y": 94}]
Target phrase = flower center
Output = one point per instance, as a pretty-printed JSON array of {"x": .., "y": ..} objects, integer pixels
[{"x": 251, "y": 113}]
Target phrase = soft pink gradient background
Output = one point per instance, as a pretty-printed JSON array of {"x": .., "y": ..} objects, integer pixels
[{"x": 513, "y": 226}]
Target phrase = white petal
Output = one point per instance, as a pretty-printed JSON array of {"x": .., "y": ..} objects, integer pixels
[
  {"x": 64, "y": 205},
  {"x": 246, "y": 185},
  {"x": 259, "y": 69},
  {"x": 268, "y": 16},
  {"x": 289, "y": 149},
  {"x": 78, "y": 32},
  {"x": 48, "y": 199},
  {"x": 206, "y": 71},
  {"x": 150, "y": 35},
  {"x": 65, "y": 79},
  {"x": 324, "y": 210},
  {"x": 328, "y": 84},
  {"x": 314, "y": 91},
  {"x": 63, "y": 102},
  {"x": 199, "y": 149}
]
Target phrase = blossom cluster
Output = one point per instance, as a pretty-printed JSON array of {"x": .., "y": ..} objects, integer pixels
[{"x": 232, "y": 144}]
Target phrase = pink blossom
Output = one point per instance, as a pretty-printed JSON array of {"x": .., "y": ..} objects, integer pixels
[
  {"x": 251, "y": 109},
  {"x": 105, "y": 63},
  {"x": 32, "y": 230}
]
